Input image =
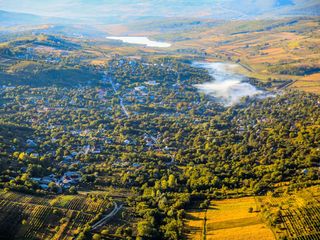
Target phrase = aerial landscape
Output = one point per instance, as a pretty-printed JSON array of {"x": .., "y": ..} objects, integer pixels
[{"x": 160, "y": 119}]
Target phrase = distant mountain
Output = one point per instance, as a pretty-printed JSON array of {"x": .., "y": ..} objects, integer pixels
[
  {"x": 8, "y": 19},
  {"x": 12, "y": 22},
  {"x": 126, "y": 11},
  {"x": 248, "y": 9}
]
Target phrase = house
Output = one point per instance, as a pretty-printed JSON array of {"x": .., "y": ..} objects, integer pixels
[
  {"x": 136, "y": 165},
  {"x": 31, "y": 143},
  {"x": 96, "y": 151},
  {"x": 36, "y": 179},
  {"x": 66, "y": 186},
  {"x": 141, "y": 89},
  {"x": 71, "y": 178},
  {"x": 149, "y": 143},
  {"x": 108, "y": 140},
  {"x": 67, "y": 159},
  {"x": 152, "y": 83},
  {"x": 73, "y": 154},
  {"x": 44, "y": 186},
  {"x": 29, "y": 150}
]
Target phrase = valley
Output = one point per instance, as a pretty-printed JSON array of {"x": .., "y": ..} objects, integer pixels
[{"x": 173, "y": 126}]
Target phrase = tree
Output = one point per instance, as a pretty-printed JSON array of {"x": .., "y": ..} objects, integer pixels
[
  {"x": 105, "y": 232},
  {"x": 172, "y": 181},
  {"x": 73, "y": 190},
  {"x": 96, "y": 236},
  {"x": 145, "y": 229},
  {"x": 54, "y": 188}
]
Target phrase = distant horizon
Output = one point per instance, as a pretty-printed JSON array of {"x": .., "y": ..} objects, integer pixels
[
  {"x": 126, "y": 9},
  {"x": 99, "y": 8}
]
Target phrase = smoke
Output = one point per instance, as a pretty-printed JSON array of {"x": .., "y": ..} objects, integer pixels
[{"x": 228, "y": 87}]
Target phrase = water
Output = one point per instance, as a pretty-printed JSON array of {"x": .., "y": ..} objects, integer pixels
[
  {"x": 142, "y": 41},
  {"x": 228, "y": 87}
]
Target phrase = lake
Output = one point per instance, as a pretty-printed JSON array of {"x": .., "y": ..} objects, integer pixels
[{"x": 141, "y": 41}]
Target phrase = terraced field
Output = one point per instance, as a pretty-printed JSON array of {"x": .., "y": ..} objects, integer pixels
[
  {"x": 30, "y": 217},
  {"x": 295, "y": 217}
]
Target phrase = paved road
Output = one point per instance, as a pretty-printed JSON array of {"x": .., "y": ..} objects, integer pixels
[
  {"x": 120, "y": 98},
  {"x": 123, "y": 107}
]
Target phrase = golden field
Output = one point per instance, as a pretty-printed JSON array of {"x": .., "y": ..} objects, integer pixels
[
  {"x": 194, "y": 223},
  {"x": 228, "y": 220},
  {"x": 309, "y": 83}
]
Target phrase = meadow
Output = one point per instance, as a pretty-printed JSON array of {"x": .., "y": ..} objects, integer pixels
[{"x": 228, "y": 219}]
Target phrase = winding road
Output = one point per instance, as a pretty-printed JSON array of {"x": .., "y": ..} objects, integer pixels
[{"x": 106, "y": 218}]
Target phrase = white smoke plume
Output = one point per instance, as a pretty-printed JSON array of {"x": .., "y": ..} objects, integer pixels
[{"x": 227, "y": 87}]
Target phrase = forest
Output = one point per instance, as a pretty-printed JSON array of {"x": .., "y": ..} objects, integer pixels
[{"x": 144, "y": 129}]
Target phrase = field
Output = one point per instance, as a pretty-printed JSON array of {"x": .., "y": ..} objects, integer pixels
[
  {"x": 286, "y": 49},
  {"x": 30, "y": 217},
  {"x": 309, "y": 83},
  {"x": 294, "y": 216},
  {"x": 227, "y": 220},
  {"x": 195, "y": 223}
]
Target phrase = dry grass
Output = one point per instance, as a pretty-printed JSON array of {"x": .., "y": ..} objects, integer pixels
[
  {"x": 229, "y": 220},
  {"x": 250, "y": 232},
  {"x": 99, "y": 62},
  {"x": 194, "y": 224},
  {"x": 312, "y": 77},
  {"x": 309, "y": 83}
]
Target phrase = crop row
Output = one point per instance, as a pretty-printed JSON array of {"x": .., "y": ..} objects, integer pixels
[
  {"x": 37, "y": 220},
  {"x": 302, "y": 222},
  {"x": 22, "y": 198}
]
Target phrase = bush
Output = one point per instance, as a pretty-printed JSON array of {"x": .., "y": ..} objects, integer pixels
[
  {"x": 105, "y": 232},
  {"x": 96, "y": 236}
]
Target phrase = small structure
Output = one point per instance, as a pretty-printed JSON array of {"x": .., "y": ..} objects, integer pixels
[{"x": 31, "y": 143}]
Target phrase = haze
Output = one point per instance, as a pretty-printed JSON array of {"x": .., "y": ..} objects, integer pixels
[{"x": 107, "y": 10}]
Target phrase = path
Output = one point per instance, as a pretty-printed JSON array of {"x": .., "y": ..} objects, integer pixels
[{"x": 106, "y": 218}]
